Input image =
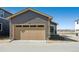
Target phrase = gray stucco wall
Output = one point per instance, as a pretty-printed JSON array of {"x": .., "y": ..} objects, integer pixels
[
  {"x": 5, "y": 27},
  {"x": 23, "y": 18},
  {"x": 5, "y": 23}
]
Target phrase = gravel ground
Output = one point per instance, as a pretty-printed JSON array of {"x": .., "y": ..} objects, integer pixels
[{"x": 54, "y": 46}]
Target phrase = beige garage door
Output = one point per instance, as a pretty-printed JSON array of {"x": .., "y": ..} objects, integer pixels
[
  {"x": 33, "y": 34},
  {"x": 30, "y": 32}
]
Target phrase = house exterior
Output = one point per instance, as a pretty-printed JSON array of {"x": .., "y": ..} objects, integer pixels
[
  {"x": 77, "y": 27},
  {"x": 4, "y": 23},
  {"x": 31, "y": 24}
]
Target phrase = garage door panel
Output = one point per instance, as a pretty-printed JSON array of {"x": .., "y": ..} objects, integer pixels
[
  {"x": 24, "y": 35},
  {"x": 29, "y": 33},
  {"x": 33, "y": 35},
  {"x": 16, "y": 33}
]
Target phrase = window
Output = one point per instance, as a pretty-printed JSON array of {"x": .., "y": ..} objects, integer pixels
[
  {"x": 25, "y": 25},
  {"x": 1, "y": 13},
  {"x": 18, "y": 25},
  {"x": 51, "y": 29},
  {"x": 77, "y": 22},
  {"x": 0, "y": 27},
  {"x": 40, "y": 25},
  {"x": 76, "y": 34},
  {"x": 32, "y": 25}
]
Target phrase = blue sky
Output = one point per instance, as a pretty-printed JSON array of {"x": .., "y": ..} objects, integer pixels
[{"x": 64, "y": 16}]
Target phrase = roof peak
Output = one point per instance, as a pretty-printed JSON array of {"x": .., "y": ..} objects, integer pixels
[
  {"x": 31, "y": 9},
  {"x": 5, "y": 10}
]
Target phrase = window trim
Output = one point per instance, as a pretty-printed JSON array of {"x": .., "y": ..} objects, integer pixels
[{"x": 1, "y": 27}]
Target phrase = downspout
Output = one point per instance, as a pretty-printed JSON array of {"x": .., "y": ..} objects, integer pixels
[
  {"x": 10, "y": 30},
  {"x": 48, "y": 30}
]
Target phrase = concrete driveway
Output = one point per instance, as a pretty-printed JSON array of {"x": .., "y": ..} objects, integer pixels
[{"x": 24, "y": 46}]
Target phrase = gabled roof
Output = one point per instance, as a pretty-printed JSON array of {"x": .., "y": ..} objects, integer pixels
[
  {"x": 29, "y": 9},
  {"x": 6, "y": 10},
  {"x": 53, "y": 23}
]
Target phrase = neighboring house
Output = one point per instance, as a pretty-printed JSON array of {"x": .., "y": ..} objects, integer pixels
[
  {"x": 77, "y": 27},
  {"x": 4, "y": 23},
  {"x": 30, "y": 24}
]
